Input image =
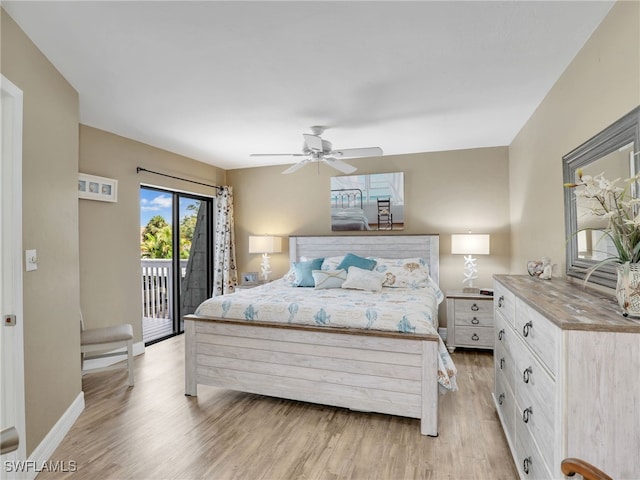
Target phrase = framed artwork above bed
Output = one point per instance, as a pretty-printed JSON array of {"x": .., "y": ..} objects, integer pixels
[{"x": 367, "y": 202}]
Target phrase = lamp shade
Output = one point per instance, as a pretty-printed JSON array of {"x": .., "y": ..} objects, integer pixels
[
  {"x": 265, "y": 244},
  {"x": 470, "y": 244}
]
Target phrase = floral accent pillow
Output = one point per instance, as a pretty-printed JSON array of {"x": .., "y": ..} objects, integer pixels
[{"x": 403, "y": 272}]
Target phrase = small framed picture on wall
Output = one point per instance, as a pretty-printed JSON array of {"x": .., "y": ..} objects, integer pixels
[{"x": 91, "y": 187}]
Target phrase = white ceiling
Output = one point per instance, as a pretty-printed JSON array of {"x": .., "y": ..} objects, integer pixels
[{"x": 217, "y": 81}]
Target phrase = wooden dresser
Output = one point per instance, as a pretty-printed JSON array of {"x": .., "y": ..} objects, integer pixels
[{"x": 567, "y": 377}]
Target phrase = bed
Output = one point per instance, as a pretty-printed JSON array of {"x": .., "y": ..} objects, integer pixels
[
  {"x": 263, "y": 348},
  {"x": 347, "y": 212}
]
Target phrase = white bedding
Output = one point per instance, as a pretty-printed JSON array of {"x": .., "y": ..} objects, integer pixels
[{"x": 405, "y": 310}]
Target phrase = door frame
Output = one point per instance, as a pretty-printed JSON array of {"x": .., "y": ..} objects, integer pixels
[{"x": 11, "y": 244}]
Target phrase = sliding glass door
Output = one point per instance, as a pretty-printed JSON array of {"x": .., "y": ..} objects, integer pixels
[{"x": 176, "y": 258}]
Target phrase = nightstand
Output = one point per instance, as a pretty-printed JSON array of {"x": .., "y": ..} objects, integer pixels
[
  {"x": 247, "y": 286},
  {"x": 469, "y": 320}
]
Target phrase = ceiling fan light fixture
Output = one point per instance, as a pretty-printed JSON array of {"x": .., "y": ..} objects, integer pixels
[{"x": 319, "y": 149}]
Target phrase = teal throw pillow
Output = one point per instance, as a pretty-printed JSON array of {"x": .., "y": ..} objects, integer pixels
[
  {"x": 351, "y": 260},
  {"x": 304, "y": 272}
]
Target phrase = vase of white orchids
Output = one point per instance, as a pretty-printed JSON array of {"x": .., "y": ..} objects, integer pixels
[{"x": 613, "y": 202}]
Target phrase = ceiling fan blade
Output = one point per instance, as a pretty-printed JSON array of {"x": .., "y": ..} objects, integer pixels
[
  {"x": 339, "y": 165},
  {"x": 313, "y": 142},
  {"x": 297, "y": 166},
  {"x": 277, "y": 155},
  {"x": 358, "y": 152}
]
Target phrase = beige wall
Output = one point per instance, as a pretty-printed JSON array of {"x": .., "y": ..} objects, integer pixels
[
  {"x": 599, "y": 86},
  {"x": 110, "y": 232},
  {"x": 50, "y": 225},
  {"x": 445, "y": 193}
]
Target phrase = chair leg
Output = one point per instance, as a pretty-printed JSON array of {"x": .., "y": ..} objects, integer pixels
[{"x": 130, "y": 361}]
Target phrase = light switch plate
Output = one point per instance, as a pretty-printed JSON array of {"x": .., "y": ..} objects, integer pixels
[{"x": 30, "y": 260}]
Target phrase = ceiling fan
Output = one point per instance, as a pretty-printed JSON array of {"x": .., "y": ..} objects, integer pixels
[{"x": 318, "y": 149}]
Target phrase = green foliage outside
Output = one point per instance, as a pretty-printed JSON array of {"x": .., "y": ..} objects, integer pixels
[{"x": 157, "y": 236}]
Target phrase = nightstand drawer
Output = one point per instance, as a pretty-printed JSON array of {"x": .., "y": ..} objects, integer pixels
[
  {"x": 477, "y": 319},
  {"x": 474, "y": 336}
]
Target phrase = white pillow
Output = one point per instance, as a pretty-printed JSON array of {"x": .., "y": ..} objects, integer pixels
[
  {"x": 329, "y": 278},
  {"x": 360, "y": 279}
]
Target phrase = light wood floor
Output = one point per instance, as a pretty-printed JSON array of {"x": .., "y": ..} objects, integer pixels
[{"x": 152, "y": 431}]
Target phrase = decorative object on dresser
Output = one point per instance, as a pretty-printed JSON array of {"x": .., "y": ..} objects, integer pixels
[
  {"x": 265, "y": 245},
  {"x": 469, "y": 320},
  {"x": 616, "y": 150},
  {"x": 566, "y": 377},
  {"x": 468, "y": 245}
]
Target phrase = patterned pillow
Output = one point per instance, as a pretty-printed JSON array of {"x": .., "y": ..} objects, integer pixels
[
  {"x": 360, "y": 279},
  {"x": 404, "y": 272},
  {"x": 329, "y": 278}
]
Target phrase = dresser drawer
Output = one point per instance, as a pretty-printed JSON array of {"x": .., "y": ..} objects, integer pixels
[
  {"x": 504, "y": 302},
  {"x": 539, "y": 334},
  {"x": 505, "y": 404},
  {"x": 536, "y": 401},
  {"x": 528, "y": 459},
  {"x": 505, "y": 365},
  {"x": 474, "y": 337}
]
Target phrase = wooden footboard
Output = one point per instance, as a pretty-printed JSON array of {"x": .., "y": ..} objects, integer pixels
[{"x": 382, "y": 372}]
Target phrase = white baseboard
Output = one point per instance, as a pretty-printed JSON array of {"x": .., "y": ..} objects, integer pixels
[
  {"x": 138, "y": 349},
  {"x": 52, "y": 440}
]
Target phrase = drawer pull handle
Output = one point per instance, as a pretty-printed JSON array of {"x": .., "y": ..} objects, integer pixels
[
  {"x": 502, "y": 363},
  {"x": 475, "y": 337},
  {"x": 475, "y": 307},
  {"x": 526, "y": 413},
  {"x": 501, "y": 301},
  {"x": 501, "y": 398},
  {"x": 527, "y": 328},
  {"x": 475, "y": 321},
  {"x": 501, "y": 334},
  {"x": 526, "y": 464},
  {"x": 526, "y": 375}
]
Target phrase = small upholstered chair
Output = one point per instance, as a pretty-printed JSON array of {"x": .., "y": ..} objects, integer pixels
[
  {"x": 105, "y": 340},
  {"x": 571, "y": 466}
]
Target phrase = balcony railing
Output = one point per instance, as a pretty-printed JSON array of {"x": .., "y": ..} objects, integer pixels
[{"x": 157, "y": 296}]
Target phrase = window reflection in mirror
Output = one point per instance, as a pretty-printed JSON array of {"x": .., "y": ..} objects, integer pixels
[
  {"x": 593, "y": 244},
  {"x": 367, "y": 202}
]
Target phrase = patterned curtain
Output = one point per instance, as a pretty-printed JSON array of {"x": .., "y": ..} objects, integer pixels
[{"x": 225, "y": 274}]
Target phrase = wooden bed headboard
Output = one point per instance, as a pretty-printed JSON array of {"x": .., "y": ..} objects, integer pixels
[{"x": 386, "y": 246}]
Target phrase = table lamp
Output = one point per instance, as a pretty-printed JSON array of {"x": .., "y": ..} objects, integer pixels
[
  {"x": 468, "y": 245},
  {"x": 265, "y": 244}
]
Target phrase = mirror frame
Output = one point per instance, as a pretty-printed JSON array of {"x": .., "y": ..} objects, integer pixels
[{"x": 622, "y": 132}]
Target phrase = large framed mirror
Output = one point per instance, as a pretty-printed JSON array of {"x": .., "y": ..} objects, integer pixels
[{"x": 615, "y": 152}]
